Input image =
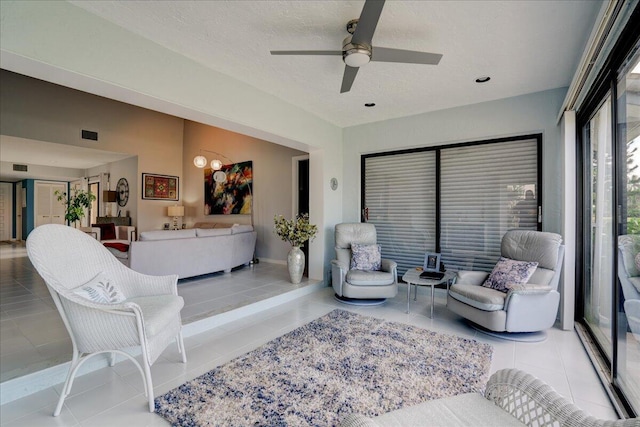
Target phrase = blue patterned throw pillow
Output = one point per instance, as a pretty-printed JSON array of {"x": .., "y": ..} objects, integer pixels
[
  {"x": 510, "y": 272},
  {"x": 365, "y": 257},
  {"x": 100, "y": 289}
]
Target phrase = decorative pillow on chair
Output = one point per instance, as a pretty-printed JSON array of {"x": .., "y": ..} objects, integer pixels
[
  {"x": 107, "y": 231},
  {"x": 510, "y": 272},
  {"x": 365, "y": 257},
  {"x": 100, "y": 289}
]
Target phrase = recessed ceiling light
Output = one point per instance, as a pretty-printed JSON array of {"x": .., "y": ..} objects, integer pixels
[
  {"x": 483, "y": 79},
  {"x": 370, "y": 104}
]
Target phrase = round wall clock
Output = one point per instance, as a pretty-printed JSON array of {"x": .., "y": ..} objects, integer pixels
[
  {"x": 334, "y": 184},
  {"x": 123, "y": 191}
]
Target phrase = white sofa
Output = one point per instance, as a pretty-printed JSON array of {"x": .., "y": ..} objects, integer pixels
[
  {"x": 192, "y": 252},
  {"x": 119, "y": 246}
]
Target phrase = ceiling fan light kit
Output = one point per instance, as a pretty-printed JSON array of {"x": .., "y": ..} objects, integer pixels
[{"x": 358, "y": 51}]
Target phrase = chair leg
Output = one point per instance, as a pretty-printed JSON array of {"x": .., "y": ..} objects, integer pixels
[
  {"x": 148, "y": 383},
  {"x": 66, "y": 389},
  {"x": 112, "y": 359},
  {"x": 181, "y": 349}
]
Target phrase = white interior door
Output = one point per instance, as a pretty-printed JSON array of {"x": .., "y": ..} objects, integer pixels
[
  {"x": 47, "y": 207},
  {"x": 6, "y": 218}
]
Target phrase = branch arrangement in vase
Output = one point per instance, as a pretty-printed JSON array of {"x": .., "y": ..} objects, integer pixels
[{"x": 295, "y": 231}]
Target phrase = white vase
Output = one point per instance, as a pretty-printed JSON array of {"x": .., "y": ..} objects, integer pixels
[{"x": 295, "y": 264}]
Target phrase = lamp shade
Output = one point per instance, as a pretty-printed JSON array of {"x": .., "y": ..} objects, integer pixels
[
  {"x": 176, "y": 211},
  {"x": 216, "y": 164},
  {"x": 110, "y": 196},
  {"x": 200, "y": 161}
]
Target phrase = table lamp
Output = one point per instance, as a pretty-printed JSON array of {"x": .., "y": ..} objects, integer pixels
[{"x": 176, "y": 211}]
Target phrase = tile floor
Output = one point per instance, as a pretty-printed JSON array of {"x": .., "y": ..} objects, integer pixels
[
  {"x": 26, "y": 305},
  {"x": 114, "y": 396}
]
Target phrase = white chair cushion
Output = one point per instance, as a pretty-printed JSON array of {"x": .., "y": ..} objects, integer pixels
[
  {"x": 486, "y": 299},
  {"x": 158, "y": 311},
  {"x": 100, "y": 289},
  {"x": 369, "y": 278}
]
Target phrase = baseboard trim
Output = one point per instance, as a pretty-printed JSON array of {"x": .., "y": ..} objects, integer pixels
[{"x": 25, "y": 385}]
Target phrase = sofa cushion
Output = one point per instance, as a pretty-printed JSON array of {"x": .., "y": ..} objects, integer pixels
[
  {"x": 486, "y": 299},
  {"x": 210, "y": 232},
  {"x": 101, "y": 289},
  {"x": 369, "y": 278},
  {"x": 107, "y": 231},
  {"x": 241, "y": 228},
  {"x": 365, "y": 257},
  {"x": 167, "y": 234},
  {"x": 510, "y": 272}
]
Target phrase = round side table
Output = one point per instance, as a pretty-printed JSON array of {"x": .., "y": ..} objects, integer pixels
[{"x": 412, "y": 277}]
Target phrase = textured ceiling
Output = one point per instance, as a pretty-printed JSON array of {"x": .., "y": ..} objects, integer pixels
[{"x": 525, "y": 46}]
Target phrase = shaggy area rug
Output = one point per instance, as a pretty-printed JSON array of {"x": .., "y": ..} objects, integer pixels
[{"x": 338, "y": 364}]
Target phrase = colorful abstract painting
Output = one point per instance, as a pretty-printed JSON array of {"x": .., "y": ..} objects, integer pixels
[
  {"x": 229, "y": 191},
  {"x": 159, "y": 187}
]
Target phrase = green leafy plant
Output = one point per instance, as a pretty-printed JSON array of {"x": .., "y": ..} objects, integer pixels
[
  {"x": 295, "y": 231},
  {"x": 75, "y": 203}
]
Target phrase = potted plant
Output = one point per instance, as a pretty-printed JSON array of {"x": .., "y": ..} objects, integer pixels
[
  {"x": 75, "y": 204},
  {"x": 295, "y": 231}
]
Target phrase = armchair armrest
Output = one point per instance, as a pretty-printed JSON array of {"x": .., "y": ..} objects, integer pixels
[
  {"x": 524, "y": 290},
  {"x": 126, "y": 232},
  {"x": 342, "y": 266},
  {"x": 92, "y": 231},
  {"x": 471, "y": 277},
  {"x": 388, "y": 265},
  {"x": 141, "y": 285}
]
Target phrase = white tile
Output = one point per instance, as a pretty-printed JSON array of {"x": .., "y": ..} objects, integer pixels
[
  {"x": 99, "y": 399},
  {"x": 43, "y": 417},
  {"x": 598, "y": 411},
  {"x": 27, "y": 405},
  {"x": 132, "y": 412}
]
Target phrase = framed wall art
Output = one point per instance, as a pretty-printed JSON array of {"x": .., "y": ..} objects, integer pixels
[
  {"x": 159, "y": 187},
  {"x": 229, "y": 191}
]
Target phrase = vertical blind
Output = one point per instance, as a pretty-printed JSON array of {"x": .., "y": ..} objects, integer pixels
[
  {"x": 400, "y": 197},
  {"x": 485, "y": 190},
  {"x": 483, "y": 194}
]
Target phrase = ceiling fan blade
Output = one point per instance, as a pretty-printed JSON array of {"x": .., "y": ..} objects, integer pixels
[
  {"x": 348, "y": 78},
  {"x": 368, "y": 21},
  {"x": 385, "y": 54},
  {"x": 306, "y": 52}
]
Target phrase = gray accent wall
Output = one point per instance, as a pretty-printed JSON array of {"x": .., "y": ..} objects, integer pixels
[{"x": 520, "y": 115}]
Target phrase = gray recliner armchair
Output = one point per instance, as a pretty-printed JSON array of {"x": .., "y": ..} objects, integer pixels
[
  {"x": 360, "y": 286},
  {"x": 530, "y": 307}
]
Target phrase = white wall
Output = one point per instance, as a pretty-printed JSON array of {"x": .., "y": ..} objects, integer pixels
[
  {"x": 271, "y": 181},
  {"x": 63, "y": 44},
  {"x": 128, "y": 169},
  {"x": 533, "y": 113}
]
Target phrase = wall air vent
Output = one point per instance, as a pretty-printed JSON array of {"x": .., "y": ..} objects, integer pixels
[
  {"x": 89, "y": 134},
  {"x": 20, "y": 168}
]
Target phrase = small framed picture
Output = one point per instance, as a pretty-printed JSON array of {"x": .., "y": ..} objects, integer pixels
[
  {"x": 166, "y": 226},
  {"x": 431, "y": 262}
]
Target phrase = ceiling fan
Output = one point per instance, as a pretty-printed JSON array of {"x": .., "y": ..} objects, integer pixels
[{"x": 358, "y": 51}]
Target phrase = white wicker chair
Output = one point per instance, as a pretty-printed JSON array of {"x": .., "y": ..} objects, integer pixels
[
  {"x": 527, "y": 401},
  {"x": 67, "y": 258}
]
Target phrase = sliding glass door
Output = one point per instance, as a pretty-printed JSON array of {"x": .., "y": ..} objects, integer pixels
[{"x": 610, "y": 270}]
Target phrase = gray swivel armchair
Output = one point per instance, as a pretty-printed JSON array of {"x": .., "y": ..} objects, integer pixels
[
  {"x": 360, "y": 286},
  {"x": 528, "y": 308},
  {"x": 628, "y": 248}
]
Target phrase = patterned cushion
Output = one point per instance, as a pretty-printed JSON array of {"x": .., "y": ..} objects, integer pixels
[
  {"x": 100, "y": 289},
  {"x": 365, "y": 257},
  {"x": 638, "y": 261},
  {"x": 508, "y": 271},
  {"x": 107, "y": 231}
]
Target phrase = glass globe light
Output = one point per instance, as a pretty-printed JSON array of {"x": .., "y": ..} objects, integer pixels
[
  {"x": 216, "y": 164},
  {"x": 200, "y": 161}
]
